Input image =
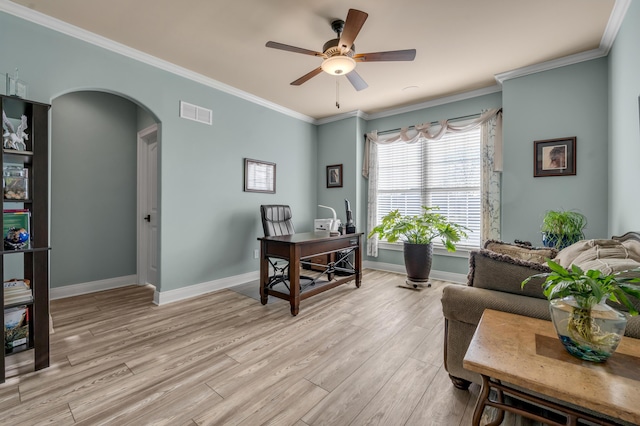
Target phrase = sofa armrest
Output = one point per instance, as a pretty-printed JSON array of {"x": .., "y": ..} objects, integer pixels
[
  {"x": 467, "y": 304},
  {"x": 494, "y": 271}
]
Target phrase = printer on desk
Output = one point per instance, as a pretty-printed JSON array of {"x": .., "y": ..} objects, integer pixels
[{"x": 334, "y": 225}]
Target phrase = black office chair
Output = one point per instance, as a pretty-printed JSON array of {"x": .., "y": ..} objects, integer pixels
[{"x": 276, "y": 221}]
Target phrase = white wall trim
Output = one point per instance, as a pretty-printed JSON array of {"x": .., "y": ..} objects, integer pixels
[
  {"x": 105, "y": 43},
  {"x": 613, "y": 26},
  {"x": 439, "y": 101},
  {"x": 169, "y": 296},
  {"x": 400, "y": 269},
  {"x": 549, "y": 65},
  {"x": 92, "y": 287},
  {"x": 611, "y": 31}
]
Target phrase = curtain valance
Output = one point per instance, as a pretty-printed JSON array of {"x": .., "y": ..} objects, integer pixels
[{"x": 428, "y": 131}]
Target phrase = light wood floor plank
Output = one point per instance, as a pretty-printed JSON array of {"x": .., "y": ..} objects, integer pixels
[
  {"x": 396, "y": 400},
  {"x": 369, "y": 355},
  {"x": 352, "y": 395}
]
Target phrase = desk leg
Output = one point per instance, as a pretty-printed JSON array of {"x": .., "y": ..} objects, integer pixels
[
  {"x": 358, "y": 262},
  {"x": 264, "y": 273},
  {"x": 294, "y": 279}
]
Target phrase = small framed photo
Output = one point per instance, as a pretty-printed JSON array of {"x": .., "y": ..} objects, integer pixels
[
  {"x": 554, "y": 157},
  {"x": 334, "y": 176},
  {"x": 259, "y": 176}
]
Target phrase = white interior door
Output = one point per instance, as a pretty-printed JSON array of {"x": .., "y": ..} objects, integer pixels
[{"x": 148, "y": 206}]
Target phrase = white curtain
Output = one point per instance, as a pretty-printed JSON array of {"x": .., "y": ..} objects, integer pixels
[{"x": 491, "y": 122}]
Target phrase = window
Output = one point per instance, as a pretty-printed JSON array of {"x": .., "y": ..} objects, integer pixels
[{"x": 444, "y": 173}]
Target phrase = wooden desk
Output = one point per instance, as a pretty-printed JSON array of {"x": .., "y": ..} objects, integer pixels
[
  {"x": 296, "y": 247},
  {"x": 526, "y": 352}
]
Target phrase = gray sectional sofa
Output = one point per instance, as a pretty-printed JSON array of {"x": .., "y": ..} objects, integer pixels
[{"x": 494, "y": 282}]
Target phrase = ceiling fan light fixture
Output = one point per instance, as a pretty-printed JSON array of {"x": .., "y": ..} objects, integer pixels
[{"x": 338, "y": 65}]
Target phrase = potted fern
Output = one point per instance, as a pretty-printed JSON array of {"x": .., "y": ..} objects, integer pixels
[
  {"x": 561, "y": 228},
  {"x": 588, "y": 328},
  {"x": 418, "y": 233}
]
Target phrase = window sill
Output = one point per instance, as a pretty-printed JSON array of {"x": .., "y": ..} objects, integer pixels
[{"x": 437, "y": 249}]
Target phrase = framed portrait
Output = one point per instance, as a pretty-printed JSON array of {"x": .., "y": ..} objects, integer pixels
[
  {"x": 554, "y": 157},
  {"x": 259, "y": 176},
  {"x": 334, "y": 176}
]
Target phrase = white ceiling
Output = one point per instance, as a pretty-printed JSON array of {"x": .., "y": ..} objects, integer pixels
[{"x": 461, "y": 44}]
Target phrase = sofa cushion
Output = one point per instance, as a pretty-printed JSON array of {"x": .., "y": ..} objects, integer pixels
[
  {"x": 608, "y": 256},
  {"x": 521, "y": 252}
]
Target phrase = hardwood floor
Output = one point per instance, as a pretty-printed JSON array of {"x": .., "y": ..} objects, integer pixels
[{"x": 351, "y": 357}]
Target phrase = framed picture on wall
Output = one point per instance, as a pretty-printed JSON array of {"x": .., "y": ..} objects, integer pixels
[
  {"x": 554, "y": 157},
  {"x": 334, "y": 176},
  {"x": 259, "y": 176}
]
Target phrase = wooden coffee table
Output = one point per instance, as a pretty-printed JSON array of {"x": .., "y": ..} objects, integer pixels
[{"x": 527, "y": 353}]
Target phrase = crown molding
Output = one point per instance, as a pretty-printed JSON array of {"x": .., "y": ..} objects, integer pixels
[
  {"x": 356, "y": 113},
  {"x": 105, "y": 43},
  {"x": 613, "y": 26},
  {"x": 615, "y": 22},
  {"x": 435, "y": 102},
  {"x": 616, "y": 18},
  {"x": 549, "y": 65}
]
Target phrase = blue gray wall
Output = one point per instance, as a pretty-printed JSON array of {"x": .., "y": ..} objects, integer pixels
[
  {"x": 208, "y": 224},
  {"x": 624, "y": 126},
  {"x": 93, "y": 188},
  {"x": 567, "y": 101}
]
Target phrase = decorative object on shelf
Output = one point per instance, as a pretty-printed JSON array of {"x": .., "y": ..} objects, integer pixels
[
  {"x": 15, "y": 183},
  {"x": 554, "y": 157},
  {"x": 588, "y": 328},
  {"x": 418, "y": 233},
  {"x": 259, "y": 176},
  {"x": 16, "y": 229},
  {"x": 334, "y": 176},
  {"x": 15, "y": 86},
  {"x": 14, "y": 138},
  {"x": 561, "y": 228}
]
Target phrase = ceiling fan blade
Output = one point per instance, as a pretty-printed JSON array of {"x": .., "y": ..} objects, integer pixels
[
  {"x": 306, "y": 77},
  {"x": 357, "y": 81},
  {"x": 352, "y": 25},
  {"x": 394, "y": 55},
  {"x": 275, "y": 45}
]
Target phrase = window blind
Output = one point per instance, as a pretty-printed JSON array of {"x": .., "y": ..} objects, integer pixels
[{"x": 443, "y": 173}]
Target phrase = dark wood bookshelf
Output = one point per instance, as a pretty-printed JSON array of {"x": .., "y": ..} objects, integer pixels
[{"x": 35, "y": 259}]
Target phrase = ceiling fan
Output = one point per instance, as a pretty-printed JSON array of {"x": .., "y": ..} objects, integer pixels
[{"x": 339, "y": 54}]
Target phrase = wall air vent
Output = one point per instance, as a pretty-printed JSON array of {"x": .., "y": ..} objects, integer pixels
[{"x": 196, "y": 113}]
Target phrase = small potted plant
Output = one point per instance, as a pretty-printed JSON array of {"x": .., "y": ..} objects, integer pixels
[
  {"x": 561, "y": 228},
  {"x": 588, "y": 328},
  {"x": 418, "y": 233}
]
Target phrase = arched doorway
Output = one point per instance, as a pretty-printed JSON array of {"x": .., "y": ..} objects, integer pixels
[{"x": 94, "y": 191}]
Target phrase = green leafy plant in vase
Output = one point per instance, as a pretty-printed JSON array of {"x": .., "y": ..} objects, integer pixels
[
  {"x": 418, "y": 233},
  {"x": 562, "y": 228},
  {"x": 587, "y": 327}
]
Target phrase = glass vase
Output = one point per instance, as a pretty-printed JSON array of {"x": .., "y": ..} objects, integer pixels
[{"x": 589, "y": 334}]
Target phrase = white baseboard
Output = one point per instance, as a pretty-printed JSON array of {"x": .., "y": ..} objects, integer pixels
[
  {"x": 400, "y": 269},
  {"x": 92, "y": 287},
  {"x": 169, "y": 296}
]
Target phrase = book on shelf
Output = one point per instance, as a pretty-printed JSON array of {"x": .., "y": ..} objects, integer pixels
[
  {"x": 16, "y": 229},
  {"x": 17, "y": 291},
  {"x": 16, "y": 328}
]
